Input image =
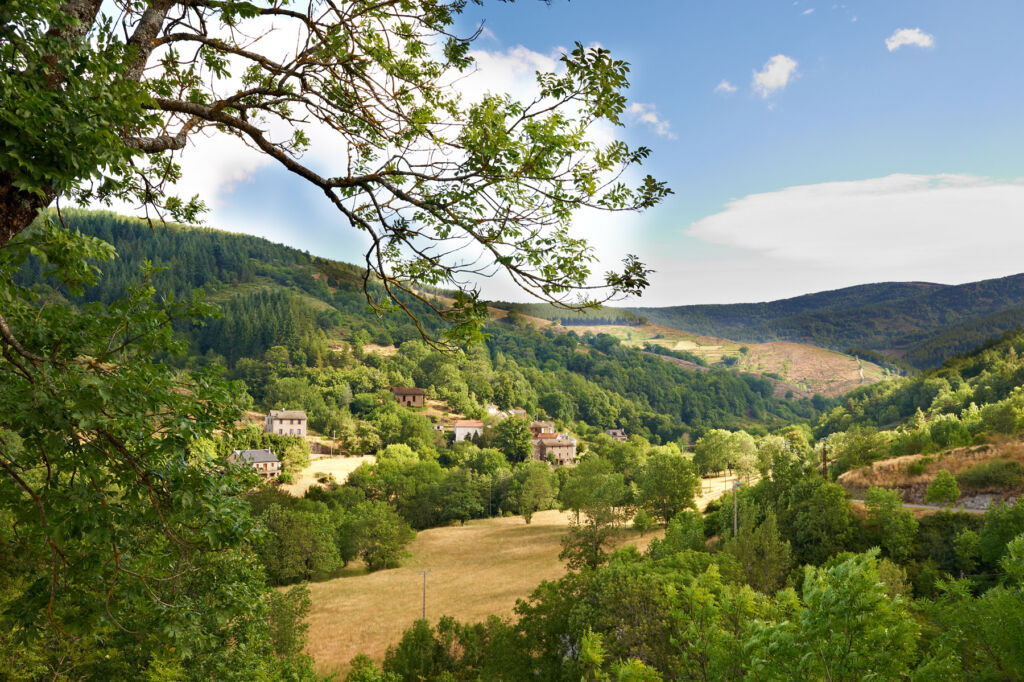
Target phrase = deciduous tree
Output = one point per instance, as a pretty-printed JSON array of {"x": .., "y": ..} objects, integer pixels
[{"x": 106, "y": 102}]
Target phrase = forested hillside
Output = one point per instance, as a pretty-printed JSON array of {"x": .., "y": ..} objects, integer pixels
[
  {"x": 922, "y": 323},
  {"x": 283, "y": 311}
]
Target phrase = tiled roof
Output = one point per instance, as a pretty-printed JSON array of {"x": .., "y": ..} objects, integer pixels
[
  {"x": 407, "y": 390},
  {"x": 287, "y": 414},
  {"x": 469, "y": 423},
  {"x": 251, "y": 456}
]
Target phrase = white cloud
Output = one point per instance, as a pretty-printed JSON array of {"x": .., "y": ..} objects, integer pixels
[
  {"x": 909, "y": 36},
  {"x": 725, "y": 86},
  {"x": 648, "y": 115},
  {"x": 774, "y": 75},
  {"x": 808, "y": 11},
  {"x": 909, "y": 226}
]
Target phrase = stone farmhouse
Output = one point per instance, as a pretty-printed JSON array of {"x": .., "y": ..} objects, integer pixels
[
  {"x": 560, "y": 447},
  {"x": 409, "y": 396},
  {"x": 286, "y": 423},
  {"x": 467, "y": 428},
  {"x": 618, "y": 434},
  {"x": 264, "y": 462}
]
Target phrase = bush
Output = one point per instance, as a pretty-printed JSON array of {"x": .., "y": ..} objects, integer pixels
[
  {"x": 917, "y": 467},
  {"x": 996, "y": 473}
]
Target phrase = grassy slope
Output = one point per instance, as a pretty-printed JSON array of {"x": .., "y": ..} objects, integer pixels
[
  {"x": 893, "y": 473},
  {"x": 805, "y": 369}
]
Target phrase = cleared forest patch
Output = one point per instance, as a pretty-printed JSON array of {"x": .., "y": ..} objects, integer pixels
[{"x": 797, "y": 367}]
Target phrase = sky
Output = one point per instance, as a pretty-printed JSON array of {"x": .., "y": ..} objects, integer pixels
[{"x": 810, "y": 145}]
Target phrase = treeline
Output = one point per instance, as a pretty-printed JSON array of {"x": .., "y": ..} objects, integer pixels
[
  {"x": 285, "y": 311},
  {"x": 926, "y": 323},
  {"x": 658, "y": 349},
  {"x": 602, "y": 315}
]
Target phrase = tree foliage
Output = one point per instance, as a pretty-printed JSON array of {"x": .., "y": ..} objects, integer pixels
[
  {"x": 106, "y": 102},
  {"x": 128, "y": 549}
]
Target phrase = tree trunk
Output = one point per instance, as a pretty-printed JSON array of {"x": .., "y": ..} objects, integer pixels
[{"x": 18, "y": 208}]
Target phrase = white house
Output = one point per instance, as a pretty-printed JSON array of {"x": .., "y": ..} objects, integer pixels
[
  {"x": 468, "y": 428},
  {"x": 264, "y": 462},
  {"x": 286, "y": 423}
]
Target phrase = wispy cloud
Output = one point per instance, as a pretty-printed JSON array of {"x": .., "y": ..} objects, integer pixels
[
  {"x": 648, "y": 114},
  {"x": 808, "y": 11},
  {"x": 909, "y": 36},
  {"x": 774, "y": 75},
  {"x": 725, "y": 86},
  {"x": 887, "y": 222}
]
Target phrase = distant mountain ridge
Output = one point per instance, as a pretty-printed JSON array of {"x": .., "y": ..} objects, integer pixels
[{"x": 921, "y": 322}]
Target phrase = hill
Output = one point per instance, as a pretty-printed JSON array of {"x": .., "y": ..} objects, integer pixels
[
  {"x": 294, "y": 328},
  {"x": 794, "y": 369},
  {"x": 922, "y": 323}
]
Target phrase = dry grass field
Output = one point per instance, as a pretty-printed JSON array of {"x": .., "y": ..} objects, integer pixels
[
  {"x": 476, "y": 570},
  {"x": 893, "y": 473},
  {"x": 340, "y": 467}
]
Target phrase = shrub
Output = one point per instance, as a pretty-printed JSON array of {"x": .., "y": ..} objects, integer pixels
[
  {"x": 943, "y": 489},
  {"x": 917, "y": 467},
  {"x": 995, "y": 473}
]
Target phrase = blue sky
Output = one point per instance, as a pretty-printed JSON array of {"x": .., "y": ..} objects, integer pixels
[{"x": 853, "y": 163}]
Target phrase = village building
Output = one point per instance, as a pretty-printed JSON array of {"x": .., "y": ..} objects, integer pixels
[
  {"x": 286, "y": 423},
  {"x": 538, "y": 429},
  {"x": 559, "y": 447},
  {"x": 409, "y": 396},
  {"x": 468, "y": 428},
  {"x": 618, "y": 434},
  {"x": 264, "y": 462}
]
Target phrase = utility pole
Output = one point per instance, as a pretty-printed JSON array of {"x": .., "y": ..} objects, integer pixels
[
  {"x": 736, "y": 485},
  {"x": 332, "y": 442},
  {"x": 424, "y": 572}
]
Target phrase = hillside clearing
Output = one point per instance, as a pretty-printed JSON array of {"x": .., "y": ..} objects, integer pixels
[
  {"x": 804, "y": 369},
  {"x": 339, "y": 467}
]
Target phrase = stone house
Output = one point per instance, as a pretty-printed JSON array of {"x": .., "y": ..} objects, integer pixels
[
  {"x": 467, "y": 428},
  {"x": 618, "y": 434},
  {"x": 264, "y": 462},
  {"x": 286, "y": 423},
  {"x": 560, "y": 446},
  {"x": 409, "y": 396}
]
